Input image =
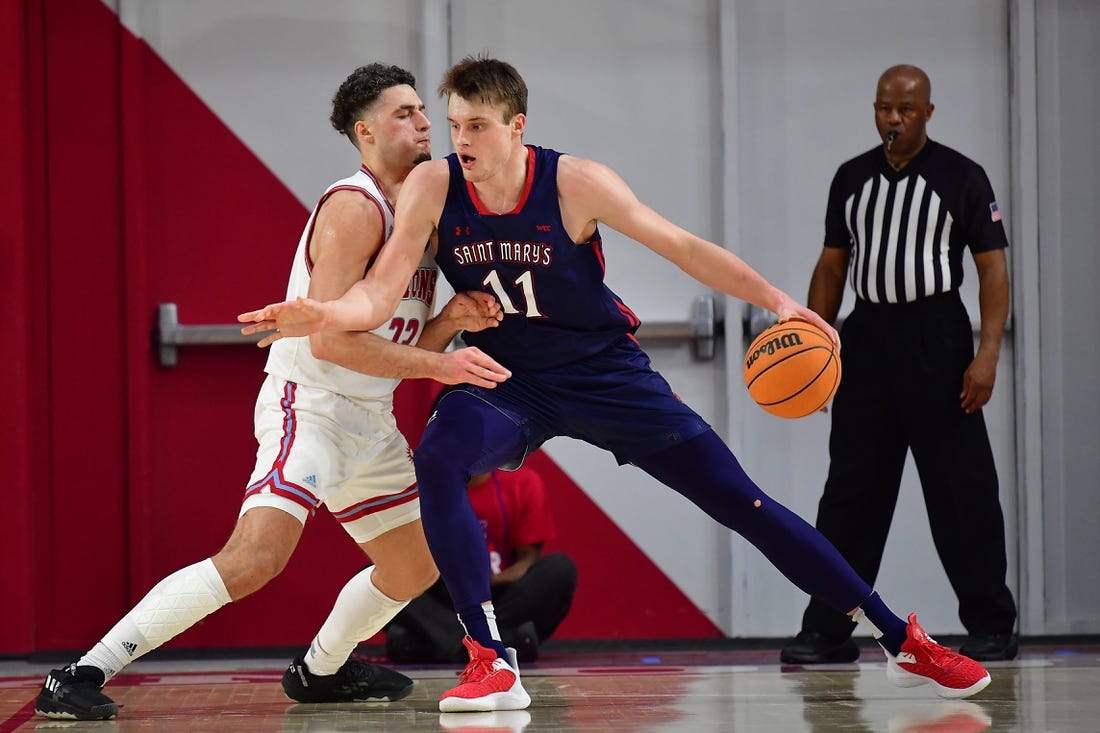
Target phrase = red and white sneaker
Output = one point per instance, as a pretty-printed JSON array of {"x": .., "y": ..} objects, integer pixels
[
  {"x": 922, "y": 661},
  {"x": 498, "y": 721},
  {"x": 943, "y": 716},
  {"x": 488, "y": 683}
]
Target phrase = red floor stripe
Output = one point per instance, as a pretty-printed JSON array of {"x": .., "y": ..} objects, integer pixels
[{"x": 24, "y": 714}]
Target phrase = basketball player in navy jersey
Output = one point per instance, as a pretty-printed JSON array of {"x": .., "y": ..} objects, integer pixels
[
  {"x": 326, "y": 434},
  {"x": 522, "y": 223}
]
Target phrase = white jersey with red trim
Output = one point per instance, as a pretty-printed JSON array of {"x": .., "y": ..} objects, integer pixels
[{"x": 291, "y": 358}]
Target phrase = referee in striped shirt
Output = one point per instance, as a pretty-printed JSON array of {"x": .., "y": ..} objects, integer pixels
[{"x": 899, "y": 217}]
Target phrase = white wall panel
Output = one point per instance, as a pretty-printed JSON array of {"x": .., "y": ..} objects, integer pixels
[{"x": 269, "y": 69}]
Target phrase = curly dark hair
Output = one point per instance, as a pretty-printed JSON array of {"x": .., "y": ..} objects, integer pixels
[{"x": 360, "y": 90}]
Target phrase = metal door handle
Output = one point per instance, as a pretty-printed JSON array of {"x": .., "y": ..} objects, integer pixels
[
  {"x": 755, "y": 321},
  {"x": 703, "y": 330},
  {"x": 170, "y": 335}
]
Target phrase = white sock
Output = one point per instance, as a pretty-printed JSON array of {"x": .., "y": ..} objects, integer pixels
[
  {"x": 174, "y": 605},
  {"x": 491, "y": 619},
  {"x": 360, "y": 612},
  {"x": 861, "y": 618}
]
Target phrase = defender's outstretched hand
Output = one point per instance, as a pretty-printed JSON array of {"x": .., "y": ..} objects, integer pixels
[
  {"x": 473, "y": 310},
  {"x": 471, "y": 365},
  {"x": 299, "y": 317}
]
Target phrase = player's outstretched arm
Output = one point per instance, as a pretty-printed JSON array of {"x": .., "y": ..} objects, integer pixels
[
  {"x": 594, "y": 191},
  {"x": 371, "y": 354},
  {"x": 361, "y": 308},
  {"x": 368, "y": 303}
]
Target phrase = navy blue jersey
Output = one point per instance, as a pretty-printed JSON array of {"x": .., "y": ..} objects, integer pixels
[{"x": 557, "y": 308}]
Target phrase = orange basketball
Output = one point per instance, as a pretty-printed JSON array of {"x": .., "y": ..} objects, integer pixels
[{"x": 792, "y": 369}]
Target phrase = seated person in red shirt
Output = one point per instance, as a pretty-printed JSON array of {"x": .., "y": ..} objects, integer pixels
[{"x": 532, "y": 592}]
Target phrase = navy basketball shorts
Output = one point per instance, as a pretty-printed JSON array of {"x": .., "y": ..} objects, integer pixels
[{"x": 612, "y": 399}]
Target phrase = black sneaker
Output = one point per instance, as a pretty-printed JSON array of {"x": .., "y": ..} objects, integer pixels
[
  {"x": 524, "y": 639},
  {"x": 810, "y": 647},
  {"x": 73, "y": 693},
  {"x": 990, "y": 647},
  {"x": 354, "y": 682}
]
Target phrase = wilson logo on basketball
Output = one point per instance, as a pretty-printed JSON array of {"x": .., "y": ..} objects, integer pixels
[
  {"x": 785, "y": 341},
  {"x": 792, "y": 369}
]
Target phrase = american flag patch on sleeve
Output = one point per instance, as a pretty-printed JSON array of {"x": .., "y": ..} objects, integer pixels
[{"x": 994, "y": 212}]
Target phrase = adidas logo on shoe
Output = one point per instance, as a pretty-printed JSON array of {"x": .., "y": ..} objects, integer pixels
[
  {"x": 355, "y": 681},
  {"x": 73, "y": 693}
]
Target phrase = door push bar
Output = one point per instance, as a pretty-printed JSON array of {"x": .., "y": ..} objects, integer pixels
[
  {"x": 703, "y": 331},
  {"x": 170, "y": 335}
]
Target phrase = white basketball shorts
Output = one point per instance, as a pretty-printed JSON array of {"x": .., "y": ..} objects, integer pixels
[{"x": 318, "y": 447}]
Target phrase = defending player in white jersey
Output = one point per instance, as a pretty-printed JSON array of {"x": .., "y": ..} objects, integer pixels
[{"x": 326, "y": 434}]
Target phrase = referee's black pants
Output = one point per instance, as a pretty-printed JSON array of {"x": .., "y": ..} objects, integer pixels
[{"x": 902, "y": 375}]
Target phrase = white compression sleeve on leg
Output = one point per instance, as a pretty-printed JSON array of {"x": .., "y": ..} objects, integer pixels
[
  {"x": 173, "y": 605},
  {"x": 360, "y": 612}
]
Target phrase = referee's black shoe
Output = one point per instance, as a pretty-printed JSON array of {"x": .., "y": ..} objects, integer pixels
[
  {"x": 355, "y": 681},
  {"x": 990, "y": 647},
  {"x": 810, "y": 647},
  {"x": 74, "y": 693}
]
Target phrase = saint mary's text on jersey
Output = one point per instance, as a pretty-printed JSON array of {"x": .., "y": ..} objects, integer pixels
[{"x": 520, "y": 253}]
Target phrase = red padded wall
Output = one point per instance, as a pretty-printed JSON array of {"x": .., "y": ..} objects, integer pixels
[{"x": 22, "y": 221}]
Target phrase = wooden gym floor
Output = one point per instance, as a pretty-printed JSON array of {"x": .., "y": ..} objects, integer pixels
[{"x": 1049, "y": 688}]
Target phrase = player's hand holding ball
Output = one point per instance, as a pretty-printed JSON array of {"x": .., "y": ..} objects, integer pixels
[{"x": 792, "y": 369}]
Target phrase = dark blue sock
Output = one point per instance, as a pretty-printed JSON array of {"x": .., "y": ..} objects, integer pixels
[
  {"x": 892, "y": 627},
  {"x": 705, "y": 471},
  {"x": 477, "y": 626},
  {"x": 473, "y": 619},
  {"x": 464, "y": 437}
]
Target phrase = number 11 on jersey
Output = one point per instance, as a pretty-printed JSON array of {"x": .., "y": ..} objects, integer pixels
[{"x": 526, "y": 282}]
